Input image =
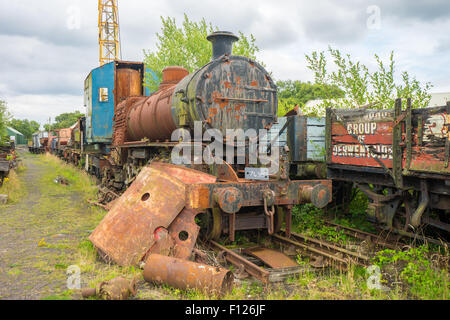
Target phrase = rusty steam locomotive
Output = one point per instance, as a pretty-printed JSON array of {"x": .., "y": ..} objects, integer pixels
[{"x": 127, "y": 140}]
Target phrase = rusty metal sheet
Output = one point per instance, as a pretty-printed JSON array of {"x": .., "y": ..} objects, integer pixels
[
  {"x": 127, "y": 232},
  {"x": 179, "y": 239},
  {"x": 186, "y": 175},
  {"x": 240, "y": 262},
  {"x": 274, "y": 259}
]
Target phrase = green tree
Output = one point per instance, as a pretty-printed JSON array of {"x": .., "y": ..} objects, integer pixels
[
  {"x": 65, "y": 120},
  {"x": 26, "y": 127},
  {"x": 4, "y": 118},
  {"x": 362, "y": 87},
  {"x": 187, "y": 47},
  {"x": 295, "y": 92}
]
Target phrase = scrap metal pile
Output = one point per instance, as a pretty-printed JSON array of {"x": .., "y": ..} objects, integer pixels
[{"x": 153, "y": 223}]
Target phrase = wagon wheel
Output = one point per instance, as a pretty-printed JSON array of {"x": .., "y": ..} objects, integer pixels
[{"x": 210, "y": 224}]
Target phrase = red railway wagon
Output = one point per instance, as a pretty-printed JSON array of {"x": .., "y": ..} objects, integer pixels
[{"x": 398, "y": 158}]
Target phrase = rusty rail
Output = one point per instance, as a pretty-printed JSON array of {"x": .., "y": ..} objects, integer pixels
[
  {"x": 355, "y": 256},
  {"x": 313, "y": 249},
  {"x": 393, "y": 241},
  {"x": 242, "y": 263},
  {"x": 416, "y": 236},
  {"x": 362, "y": 235}
]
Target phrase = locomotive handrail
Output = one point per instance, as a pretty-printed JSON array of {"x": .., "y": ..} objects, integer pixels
[{"x": 242, "y": 99}]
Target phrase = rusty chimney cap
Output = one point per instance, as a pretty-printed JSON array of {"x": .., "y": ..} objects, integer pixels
[
  {"x": 222, "y": 43},
  {"x": 172, "y": 75}
]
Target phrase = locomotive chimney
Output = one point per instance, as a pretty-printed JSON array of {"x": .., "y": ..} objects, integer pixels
[
  {"x": 172, "y": 75},
  {"x": 222, "y": 43}
]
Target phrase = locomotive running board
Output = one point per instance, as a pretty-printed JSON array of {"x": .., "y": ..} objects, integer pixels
[{"x": 142, "y": 218}]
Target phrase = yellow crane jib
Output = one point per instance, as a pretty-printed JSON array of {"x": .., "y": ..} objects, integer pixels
[{"x": 108, "y": 23}]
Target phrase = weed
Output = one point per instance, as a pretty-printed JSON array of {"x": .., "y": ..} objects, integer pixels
[
  {"x": 309, "y": 220},
  {"x": 414, "y": 271}
]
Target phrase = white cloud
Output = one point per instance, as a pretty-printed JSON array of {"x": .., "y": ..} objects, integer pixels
[{"x": 41, "y": 107}]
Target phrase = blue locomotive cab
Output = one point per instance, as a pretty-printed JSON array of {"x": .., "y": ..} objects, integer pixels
[{"x": 104, "y": 88}]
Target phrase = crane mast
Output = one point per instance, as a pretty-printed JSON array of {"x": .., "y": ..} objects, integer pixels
[{"x": 108, "y": 23}]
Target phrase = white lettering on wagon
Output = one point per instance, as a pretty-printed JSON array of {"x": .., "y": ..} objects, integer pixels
[
  {"x": 362, "y": 128},
  {"x": 383, "y": 152}
]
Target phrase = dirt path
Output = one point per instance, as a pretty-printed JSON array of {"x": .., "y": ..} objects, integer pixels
[{"x": 40, "y": 233}]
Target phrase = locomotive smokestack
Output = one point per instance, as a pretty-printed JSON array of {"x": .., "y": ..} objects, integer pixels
[{"x": 222, "y": 43}]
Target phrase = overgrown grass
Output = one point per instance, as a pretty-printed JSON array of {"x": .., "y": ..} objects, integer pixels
[
  {"x": 85, "y": 256},
  {"x": 12, "y": 185},
  {"x": 79, "y": 181}
]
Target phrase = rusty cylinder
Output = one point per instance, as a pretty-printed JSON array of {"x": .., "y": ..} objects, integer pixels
[
  {"x": 152, "y": 117},
  {"x": 183, "y": 274}
]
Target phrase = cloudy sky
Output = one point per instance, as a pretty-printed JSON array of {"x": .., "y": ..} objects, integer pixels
[{"x": 48, "y": 47}]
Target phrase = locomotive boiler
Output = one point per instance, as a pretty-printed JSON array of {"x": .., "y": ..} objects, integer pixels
[{"x": 228, "y": 93}]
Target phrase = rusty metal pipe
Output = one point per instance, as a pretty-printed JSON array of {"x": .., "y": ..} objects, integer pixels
[{"x": 183, "y": 274}]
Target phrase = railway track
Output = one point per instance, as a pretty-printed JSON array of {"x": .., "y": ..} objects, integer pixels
[
  {"x": 278, "y": 262},
  {"x": 323, "y": 253},
  {"x": 378, "y": 240},
  {"x": 387, "y": 238},
  {"x": 275, "y": 264}
]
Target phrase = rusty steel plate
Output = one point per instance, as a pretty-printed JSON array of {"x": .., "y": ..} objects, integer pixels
[
  {"x": 186, "y": 175},
  {"x": 154, "y": 200},
  {"x": 274, "y": 259},
  {"x": 179, "y": 239},
  {"x": 184, "y": 232}
]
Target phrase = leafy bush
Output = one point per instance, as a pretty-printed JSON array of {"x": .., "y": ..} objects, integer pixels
[{"x": 414, "y": 268}]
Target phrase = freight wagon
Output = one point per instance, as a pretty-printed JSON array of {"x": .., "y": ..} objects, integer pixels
[{"x": 399, "y": 158}]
